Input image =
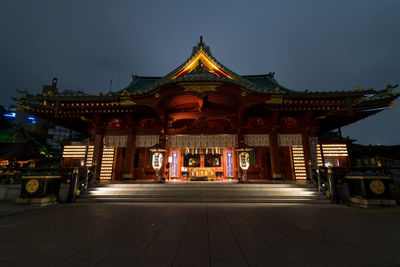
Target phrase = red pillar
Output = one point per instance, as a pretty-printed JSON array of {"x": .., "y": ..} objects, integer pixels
[
  {"x": 240, "y": 143},
  {"x": 275, "y": 156},
  {"x": 128, "y": 164},
  {"x": 98, "y": 153},
  {"x": 307, "y": 153}
]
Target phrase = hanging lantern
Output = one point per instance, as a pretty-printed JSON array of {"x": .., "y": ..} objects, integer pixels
[
  {"x": 157, "y": 161},
  {"x": 244, "y": 161}
]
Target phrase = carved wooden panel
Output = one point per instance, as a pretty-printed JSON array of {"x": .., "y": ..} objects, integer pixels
[
  {"x": 115, "y": 140},
  {"x": 201, "y": 140},
  {"x": 256, "y": 140},
  {"x": 147, "y": 140},
  {"x": 289, "y": 139}
]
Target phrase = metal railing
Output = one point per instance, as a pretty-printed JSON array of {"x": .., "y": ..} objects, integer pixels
[
  {"x": 77, "y": 178},
  {"x": 331, "y": 180}
]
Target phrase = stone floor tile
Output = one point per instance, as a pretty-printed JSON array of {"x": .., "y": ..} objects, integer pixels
[
  {"x": 221, "y": 233},
  {"x": 226, "y": 251},
  {"x": 263, "y": 258},
  {"x": 160, "y": 251},
  {"x": 172, "y": 233},
  {"x": 152, "y": 264},
  {"x": 229, "y": 264},
  {"x": 189, "y": 243},
  {"x": 192, "y": 258},
  {"x": 145, "y": 234}
]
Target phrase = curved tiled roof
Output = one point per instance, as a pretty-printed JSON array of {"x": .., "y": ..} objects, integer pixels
[
  {"x": 141, "y": 84},
  {"x": 265, "y": 83},
  {"x": 256, "y": 83}
]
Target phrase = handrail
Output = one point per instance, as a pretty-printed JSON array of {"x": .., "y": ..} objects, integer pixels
[
  {"x": 327, "y": 179},
  {"x": 83, "y": 175}
]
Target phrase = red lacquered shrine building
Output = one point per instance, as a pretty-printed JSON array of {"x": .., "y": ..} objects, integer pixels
[{"x": 200, "y": 113}]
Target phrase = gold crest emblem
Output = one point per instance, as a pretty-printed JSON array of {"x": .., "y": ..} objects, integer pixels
[
  {"x": 377, "y": 187},
  {"x": 32, "y": 186}
]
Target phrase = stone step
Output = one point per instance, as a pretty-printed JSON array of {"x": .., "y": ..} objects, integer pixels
[
  {"x": 200, "y": 189},
  {"x": 203, "y": 200},
  {"x": 161, "y": 188},
  {"x": 204, "y": 196},
  {"x": 225, "y": 193},
  {"x": 222, "y": 194},
  {"x": 202, "y": 185}
]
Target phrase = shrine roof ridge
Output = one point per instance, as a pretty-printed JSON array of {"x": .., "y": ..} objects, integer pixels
[
  {"x": 254, "y": 83},
  {"x": 370, "y": 95},
  {"x": 257, "y": 83}
]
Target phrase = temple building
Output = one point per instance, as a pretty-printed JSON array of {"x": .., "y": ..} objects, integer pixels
[{"x": 201, "y": 114}]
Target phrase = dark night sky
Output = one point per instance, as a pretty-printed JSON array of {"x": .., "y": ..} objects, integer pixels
[{"x": 314, "y": 45}]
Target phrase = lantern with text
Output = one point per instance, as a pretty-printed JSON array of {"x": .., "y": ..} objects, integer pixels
[
  {"x": 157, "y": 161},
  {"x": 244, "y": 162}
]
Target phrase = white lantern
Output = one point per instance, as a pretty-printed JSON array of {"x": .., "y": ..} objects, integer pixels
[
  {"x": 157, "y": 161},
  {"x": 244, "y": 160}
]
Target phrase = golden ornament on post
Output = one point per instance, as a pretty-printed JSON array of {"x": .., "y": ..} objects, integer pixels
[
  {"x": 377, "y": 187},
  {"x": 32, "y": 186}
]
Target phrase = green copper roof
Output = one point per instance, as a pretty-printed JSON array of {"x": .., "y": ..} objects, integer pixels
[
  {"x": 380, "y": 97},
  {"x": 256, "y": 83}
]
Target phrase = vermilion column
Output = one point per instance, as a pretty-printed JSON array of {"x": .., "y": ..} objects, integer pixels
[
  {"x": 275, "y": 157},
  {"x": 128, "y": 164},
  {"x": 307, "y": 153},
  {"x": 98, "y": 153},
  {"x": 240, "y": 143}
]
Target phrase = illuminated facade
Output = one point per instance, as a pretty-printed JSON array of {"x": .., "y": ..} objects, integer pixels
[{"x": 201, "y": 112}]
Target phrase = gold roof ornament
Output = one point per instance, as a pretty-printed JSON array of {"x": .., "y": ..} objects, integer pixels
[
  {"x": 201, "y": 56},
  {"x": 275, "y": 99},
  {"x": 200, "y": 87},
  {"x": 127, "y": 102}
]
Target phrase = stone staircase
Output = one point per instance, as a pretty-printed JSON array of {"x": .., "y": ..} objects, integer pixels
[{"x": 204, "y": 192}]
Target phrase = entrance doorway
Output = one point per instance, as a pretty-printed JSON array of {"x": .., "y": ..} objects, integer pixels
[{"x": 201, "y": 164}]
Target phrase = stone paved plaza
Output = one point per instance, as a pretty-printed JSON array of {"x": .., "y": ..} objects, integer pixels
[{"x": 199, "y": 235}]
